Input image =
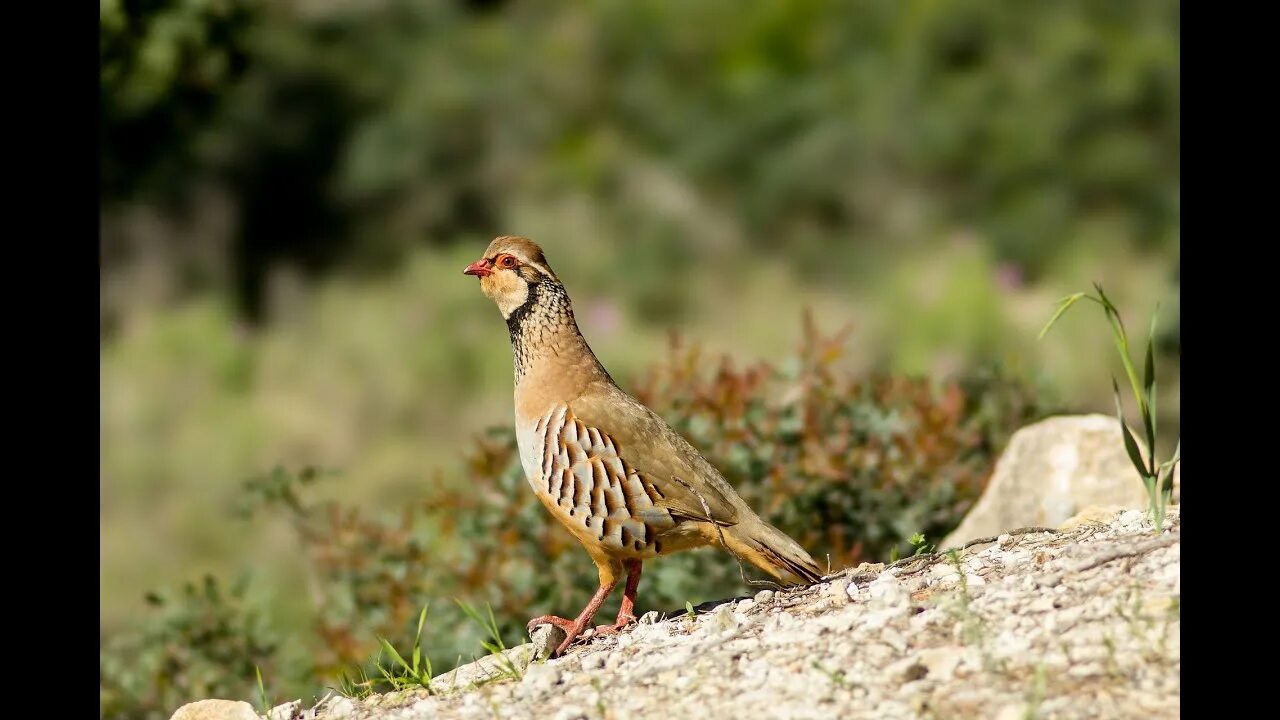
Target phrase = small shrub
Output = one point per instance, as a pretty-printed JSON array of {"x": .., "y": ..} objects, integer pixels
[{"x": 205, "y": 641}]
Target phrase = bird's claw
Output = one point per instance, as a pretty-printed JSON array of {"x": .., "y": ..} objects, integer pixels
[
  {"x": 617, "y": 627},
  {"x": 559, "y": 622}
]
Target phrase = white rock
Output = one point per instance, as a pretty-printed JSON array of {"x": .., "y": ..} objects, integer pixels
[
  {"x": 943, "y": 569},
  {"x": 540, "y": 677},
  {"x": 215, "y": 710},
  {"x": 1012, "y": 711},
  {"x": 287, "y": 711},
  {"x": 943, "y": 661},
  {"x": 1131, "y": 519},
  {"x": 336, "y": 707},
  {"x": 885, "y": 592},
  {"x": 571, "y": 712},
  {"x": 1050, "y": 470},
  {"x": 894, "y": 639}
]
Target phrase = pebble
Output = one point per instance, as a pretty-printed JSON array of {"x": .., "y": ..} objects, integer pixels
[{"x": 540, "y": 677}]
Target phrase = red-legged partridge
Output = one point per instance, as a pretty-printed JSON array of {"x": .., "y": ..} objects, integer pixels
[{"x": 610, "y": 470}]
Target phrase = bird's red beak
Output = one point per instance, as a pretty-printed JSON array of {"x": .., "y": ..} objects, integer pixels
[{"x": 479, "y": 268}]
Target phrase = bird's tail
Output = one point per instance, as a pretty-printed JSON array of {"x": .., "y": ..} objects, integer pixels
[{"x": 771, "y": 550}]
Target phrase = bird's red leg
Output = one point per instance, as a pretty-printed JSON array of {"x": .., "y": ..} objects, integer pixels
[
  {"x": 573, "y": 628},
  {"x": 626, "y": 613}
]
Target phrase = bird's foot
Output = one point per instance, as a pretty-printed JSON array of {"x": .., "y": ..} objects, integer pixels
[
  {"x": 572, "y": 629},
  {"x": 616, "y": 627},
  {"x": 563, "y": 624}
]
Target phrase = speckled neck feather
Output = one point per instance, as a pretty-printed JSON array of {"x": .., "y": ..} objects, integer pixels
[{"x": 544, "y": 325}]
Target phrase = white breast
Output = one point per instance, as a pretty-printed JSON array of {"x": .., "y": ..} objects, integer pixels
[{"x": 529, "y": 440}]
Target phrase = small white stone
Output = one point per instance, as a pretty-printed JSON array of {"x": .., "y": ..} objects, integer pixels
[
  {"x": 285, "y": 711},
  {"x": 1131, "y": 518},
  {"x": 838, "y": 589},
  {"x": 1039, "y": 605},
  {"x": 894, "y": 639},
  {"x": 215, "y": 710},
  {"x": 571, "y": 712},
  {"x": 943, "y": 661},
  {"x": 541, "y": 676},
  {"x": 339, "y": 707},
  {"x": 1086, "y": 670},
  {"x": 1012, "y": 711}
]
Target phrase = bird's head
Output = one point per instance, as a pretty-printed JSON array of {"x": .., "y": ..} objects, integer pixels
[{"x": 509, "y": 270}]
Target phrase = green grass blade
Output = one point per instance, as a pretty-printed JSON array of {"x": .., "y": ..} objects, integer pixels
[
  {"x": 1166, "y": 482},
  {"x": 1149, "y": 387},
  {"x": 394, "y": 655},
  {"x": 1149, "y": 368},
  {"x": 1122, "y": 344},
  {"x": 1130, "y": 445},
  {"x": 1063, "y": 304},
  {"x": 469, "y": 611},
  {"x": 262, "y": 690},
  {"x": 1166, "y": 470},
  {"x": 422, "y": 619},
  {"x": 493, "y": 629}
]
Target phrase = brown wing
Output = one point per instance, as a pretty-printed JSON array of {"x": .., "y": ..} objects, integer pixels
[
  {"x": 601, "y": 497},
  {"x": 688, "y": 486}
]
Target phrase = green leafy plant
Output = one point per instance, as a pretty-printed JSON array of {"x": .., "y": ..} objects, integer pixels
[
  {"x": 494, "y": 644},
  {"x": 922, "y": 547},
  {"x": 917, "y": 542},
  {"x": 1157, "y": 477},
  {"x": 356, "y": 686},
  {"x": 415, "y": 672}
]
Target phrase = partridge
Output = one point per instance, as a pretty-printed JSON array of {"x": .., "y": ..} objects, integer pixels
[{"x": 625, "y": 484}]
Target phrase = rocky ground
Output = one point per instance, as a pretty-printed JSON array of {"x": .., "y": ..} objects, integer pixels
[{"x": 1077, "y": 623}]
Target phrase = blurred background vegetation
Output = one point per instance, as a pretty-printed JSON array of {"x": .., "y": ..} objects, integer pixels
[{"x": 289, "y": 191}]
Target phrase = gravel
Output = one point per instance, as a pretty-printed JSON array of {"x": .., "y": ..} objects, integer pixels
[{"x": 1082, "y": 623}]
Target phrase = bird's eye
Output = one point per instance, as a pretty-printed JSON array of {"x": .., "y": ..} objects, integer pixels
[{"x": 507, "y": 261}]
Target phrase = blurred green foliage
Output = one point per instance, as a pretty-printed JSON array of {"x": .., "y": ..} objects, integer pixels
[
  {"x": 205, "y": 641},
  {"x": 344, "y": 133}
]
